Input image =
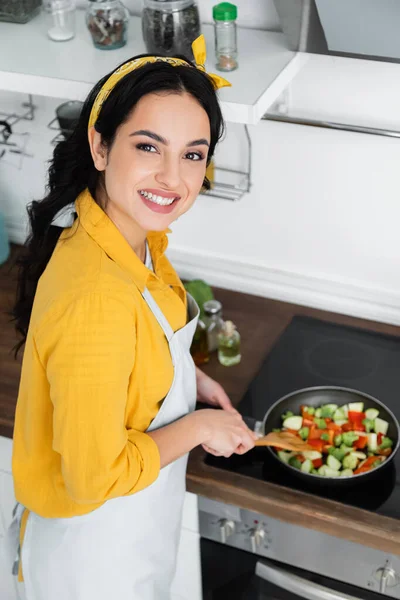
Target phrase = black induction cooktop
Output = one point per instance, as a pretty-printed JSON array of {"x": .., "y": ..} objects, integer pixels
[{"x": 313, "y": 352}]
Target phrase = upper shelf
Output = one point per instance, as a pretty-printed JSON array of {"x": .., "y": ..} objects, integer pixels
[{"x": 32, "y": 63}]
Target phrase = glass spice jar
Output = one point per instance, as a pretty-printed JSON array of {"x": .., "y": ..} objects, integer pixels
[
  {"x": 170, "y": 27},
  {"x": 225, "y": 15},
  {"x": 107, "y": 22},
  {"x": 229, "y": 345},
  {"x": 61, "y": 15},
  {"x": 213, "y": 321}
]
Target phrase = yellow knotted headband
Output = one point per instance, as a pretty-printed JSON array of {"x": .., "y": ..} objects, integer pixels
[{"x": 199, "y": 53}]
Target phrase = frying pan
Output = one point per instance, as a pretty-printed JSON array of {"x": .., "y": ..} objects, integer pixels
[{"x": 315, "y": 397}]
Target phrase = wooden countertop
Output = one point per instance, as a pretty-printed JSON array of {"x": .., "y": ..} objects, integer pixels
[{"x": 261, "y": 322}]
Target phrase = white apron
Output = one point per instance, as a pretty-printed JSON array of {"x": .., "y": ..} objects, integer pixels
[{"x": 126, "y": 549}]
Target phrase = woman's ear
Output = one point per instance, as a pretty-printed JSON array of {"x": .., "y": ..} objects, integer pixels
[{"x": 97, "y": 149}]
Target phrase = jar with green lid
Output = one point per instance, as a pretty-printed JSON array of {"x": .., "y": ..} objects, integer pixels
[
  {"x": 170, "y": 27},
  {"x": 225, "y": 15}
]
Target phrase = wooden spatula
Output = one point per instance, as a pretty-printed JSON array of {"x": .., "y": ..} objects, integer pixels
[{"x": 284, "y": 440}]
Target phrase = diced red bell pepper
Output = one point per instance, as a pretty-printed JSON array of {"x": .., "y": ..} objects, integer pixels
[
  {"x": 367, "y": 466},
  {"x": 385, "y": 452},
  {"x": 380, "y": 438},
  {"x": 356, "y": 419},
  {"x": 361, "y": 442},
  {"x": 300, "y": 458},
  {"x": 334, "y": 427},
  {"x": 347, "y": 427},
  {"x": 308, "y": 421},
  {"x": 316, "y": 444},
  {"x": 315, "y": 433},
  {"x": 318, "y": 462}
]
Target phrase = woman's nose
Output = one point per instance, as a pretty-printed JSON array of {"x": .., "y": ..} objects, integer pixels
[{"x": 168, "y": 174}]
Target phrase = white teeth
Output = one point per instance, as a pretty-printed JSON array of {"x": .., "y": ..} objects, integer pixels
[{"x": 157, "y": 199}]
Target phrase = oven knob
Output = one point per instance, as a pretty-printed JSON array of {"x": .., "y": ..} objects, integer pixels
[
  {"x": 226, "y": 529},
  {"x": 387, "y": 578},
  {"x": 257, "y": 536}
]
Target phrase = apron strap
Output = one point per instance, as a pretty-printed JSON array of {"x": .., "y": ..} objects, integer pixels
[{"x": 157, "y": 312}]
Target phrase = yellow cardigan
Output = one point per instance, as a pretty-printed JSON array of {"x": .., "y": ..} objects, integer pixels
[{"x": 96, "y": 368}]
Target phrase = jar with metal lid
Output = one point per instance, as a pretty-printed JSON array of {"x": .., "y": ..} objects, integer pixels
[
  {"x": 225, "y": 15},
  {"x": 213, "y": 321},
  {"x": 107, "y": 22},
  {"x": 170, "y": 26}
]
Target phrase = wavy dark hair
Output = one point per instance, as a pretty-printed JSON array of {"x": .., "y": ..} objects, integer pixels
[{"x": 72, "y": 170}]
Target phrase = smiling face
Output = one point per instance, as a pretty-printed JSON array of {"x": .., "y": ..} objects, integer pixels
[{"x": 156, "y": 166}]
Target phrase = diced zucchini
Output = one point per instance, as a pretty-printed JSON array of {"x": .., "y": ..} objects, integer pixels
[
  {"x": 350, "y": 462},
  {"x": 314, "y": 471},
  {"x": 372, "y": 413},
  {"x": 285, "y": 456},
  {"x": 369, "y": 425},
  {"x": 345, "y": 409},
  {"x": 287, "y": 414},
  {"x": 312, "y": 454},
  {"x": 294, "y": 462},
  {"x": 333, "y": 463},
  {"x": 318, "y": 413},
  {"x": 381, "y": 426},
  {"x": 373, "y": 442},
  {"x": 329, "y": 472},
  {"x": 339, "y": 415},
  {"x": 337, "y": 453},
  {"x": 349, "y": 437},
  {"x": 386, "y": 443},
  {"x": 327, "y": 410},
  {"x": 306, "y": 466},
  {"x": 303, "y": 433},
  {"x": 321, "y": 470},
  {"x": 294, "y": 423},
  {"x": 337, "y": 440},
  {"x": 320, "y": 423},
  {"x": 356, "y": 406},
  {"x": 346, "y": 449},
  {"x": 346, "y": 473},
  {"x": 310, "y": 410},
  {"x": 341, "y": 422},
  {"x": 359, "y": 455}
]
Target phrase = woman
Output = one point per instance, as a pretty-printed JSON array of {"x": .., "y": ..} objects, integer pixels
[{"x": 105, "y": 417}]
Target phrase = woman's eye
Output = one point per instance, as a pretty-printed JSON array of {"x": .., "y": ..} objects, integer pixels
[
  {"x": 146, "y": 148},
  {"x": 194, "y": 156}
]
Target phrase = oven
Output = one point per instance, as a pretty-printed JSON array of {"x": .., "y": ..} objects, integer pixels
[{"x": 248, "y": 556}]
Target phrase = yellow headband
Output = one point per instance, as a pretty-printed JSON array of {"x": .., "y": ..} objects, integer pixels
[{"x": 199, "y": 52}]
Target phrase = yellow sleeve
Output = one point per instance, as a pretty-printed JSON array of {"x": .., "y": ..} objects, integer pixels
[{"x": 88, "y": 352}]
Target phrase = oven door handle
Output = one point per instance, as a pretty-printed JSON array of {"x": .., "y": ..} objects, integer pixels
[{"x": 297, "y": 585}]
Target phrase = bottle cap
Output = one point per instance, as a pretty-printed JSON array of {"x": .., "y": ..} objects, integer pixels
[
  {"x": 225, "y": 11},
  {"x": 212, "y": 307}
]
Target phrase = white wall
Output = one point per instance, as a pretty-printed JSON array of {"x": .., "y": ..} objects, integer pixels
[{"x": 320, "y": 226}]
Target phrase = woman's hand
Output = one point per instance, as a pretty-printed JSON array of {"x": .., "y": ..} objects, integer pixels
[
  {"x": 211, "y": 392},
  {"x": 224, "y": 432}
]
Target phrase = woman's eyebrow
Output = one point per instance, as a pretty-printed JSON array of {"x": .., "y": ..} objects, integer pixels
[
  {"x": 200, "y": 142},
  {"x": 161, "y": 140},
  {"x": 150, "y": 134}
]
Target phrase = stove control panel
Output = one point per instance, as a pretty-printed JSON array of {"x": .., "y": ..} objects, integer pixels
[{"x": 284, "y": 542}]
